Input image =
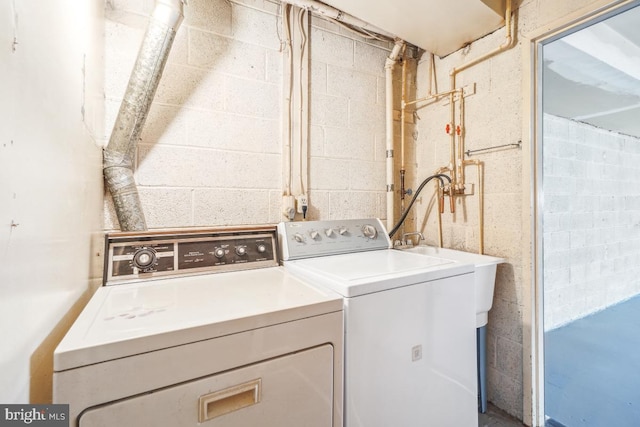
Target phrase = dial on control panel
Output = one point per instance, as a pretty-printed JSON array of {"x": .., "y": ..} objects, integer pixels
[
  {"x": 369, "y": 231},
  {"x": 144, "y": 258}
]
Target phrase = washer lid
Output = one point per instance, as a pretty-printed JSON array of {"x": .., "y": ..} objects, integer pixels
[
  {"x": 366, "y": 272},
  {"x": 121, "y": 321}
]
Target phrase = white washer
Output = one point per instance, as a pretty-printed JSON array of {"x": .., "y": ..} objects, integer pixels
[
  {"x": 410, "y": 355},
  {"x": 174, "y": 345}
]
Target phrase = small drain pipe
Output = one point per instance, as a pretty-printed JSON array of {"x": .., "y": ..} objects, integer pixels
[{"x": 118, "y": 156}]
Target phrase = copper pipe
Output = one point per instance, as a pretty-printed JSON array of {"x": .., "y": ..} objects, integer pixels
[
  {"x": 440, "y": 212},
  {"x": 507, "y": 44},
  {"x": 461, "y": 135},
  {"x": 480, "y": 166},
  {"x": 431, "y": 97}
]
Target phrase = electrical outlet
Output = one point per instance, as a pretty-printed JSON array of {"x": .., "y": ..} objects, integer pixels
[{"x": 301, "y": 202}]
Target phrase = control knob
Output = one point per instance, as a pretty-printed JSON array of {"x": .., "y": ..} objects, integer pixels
[
  {"x": 262, "y": 248},
  {"x": 144, "y": 259},
  {"x": 218, "y": 253},
  {"x": 328, "y": 232},
  {"x": 369, "y": 231},
  {"x": 342, "y": 231},
  {"x": 241, "y": 250},
  {"x": 298, "y": 238},
  {"x": 314, "y": 235}
]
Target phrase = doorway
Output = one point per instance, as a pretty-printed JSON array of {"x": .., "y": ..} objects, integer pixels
[{"x": 589, "y": 236}]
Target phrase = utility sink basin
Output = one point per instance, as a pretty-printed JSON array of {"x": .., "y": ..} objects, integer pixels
[{"x": 485, "y": 275}]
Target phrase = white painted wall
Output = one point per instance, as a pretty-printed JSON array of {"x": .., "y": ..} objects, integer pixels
[
  {"x": 591, "y": 219},
  {"x": 211, "y": 151},
  {"x": 50, "y": 181}
]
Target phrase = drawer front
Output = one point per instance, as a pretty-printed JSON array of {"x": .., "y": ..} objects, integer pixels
[{"x": 289, "y": 391}]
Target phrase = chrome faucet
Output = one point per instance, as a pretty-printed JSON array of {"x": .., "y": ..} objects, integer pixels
[{"x": 409, "y": 242}]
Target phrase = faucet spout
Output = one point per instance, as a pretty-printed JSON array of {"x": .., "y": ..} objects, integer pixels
[{"x": 410, "y": 241}]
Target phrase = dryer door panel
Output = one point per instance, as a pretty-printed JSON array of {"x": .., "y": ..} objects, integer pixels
[{"x": 289, "y": 391}]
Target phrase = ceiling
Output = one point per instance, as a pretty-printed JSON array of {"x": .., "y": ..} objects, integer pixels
[
  {"x": 429, "y": 24},
  {"x": 593, "y": 75}
]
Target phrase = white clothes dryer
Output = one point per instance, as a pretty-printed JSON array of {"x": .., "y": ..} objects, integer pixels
[
  {"x": 168, "y": 343},
  {"x": 410, "y": 355}
]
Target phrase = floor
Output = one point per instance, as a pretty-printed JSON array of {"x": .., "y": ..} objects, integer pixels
[
  {"x": 496, "y": 418},
  {"x": 592, "y": 369}
]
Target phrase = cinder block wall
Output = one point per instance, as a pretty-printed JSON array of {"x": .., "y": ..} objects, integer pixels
[
  {"x": 591, "y": 210},
  {"x": 211, "y": 151}
]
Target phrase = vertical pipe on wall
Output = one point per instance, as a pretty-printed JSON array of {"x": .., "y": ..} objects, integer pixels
[
  {"x": 388, "y": 68},
  {"x": 403, "y": 108},
  {"x": 480, "y": 166},
  {"x": 288, "y": 94},
  {"x": 119, "y": 154}
]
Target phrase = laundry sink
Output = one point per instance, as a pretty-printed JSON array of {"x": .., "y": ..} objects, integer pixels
[{"x": 485, "y": 276}]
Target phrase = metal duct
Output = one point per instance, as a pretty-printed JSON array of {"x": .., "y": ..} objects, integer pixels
[{"x": 118, "y": 156}]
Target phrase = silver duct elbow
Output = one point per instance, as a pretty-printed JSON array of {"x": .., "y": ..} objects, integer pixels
[{"x": 118, "y": 156}]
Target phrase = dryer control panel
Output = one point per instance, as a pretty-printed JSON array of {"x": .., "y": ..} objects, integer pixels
[
  {"x": 308, "y": 239},
  {"x": 146, "y": 255}
]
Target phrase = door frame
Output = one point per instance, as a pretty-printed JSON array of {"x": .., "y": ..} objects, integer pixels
[{"x": 533, "y": 314}]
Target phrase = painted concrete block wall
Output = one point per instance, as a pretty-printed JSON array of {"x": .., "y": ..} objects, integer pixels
[
  {"x": 211, "y": 151},
  {"x": 591, "y": 210},
  {"x": 50, "y": 182}
]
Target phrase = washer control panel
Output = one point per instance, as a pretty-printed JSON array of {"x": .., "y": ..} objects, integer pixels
[
  {"x": 307, "y": 239},
  {"x": 145, "y": 255}
]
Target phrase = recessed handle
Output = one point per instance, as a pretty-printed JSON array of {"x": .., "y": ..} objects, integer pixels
[{"x": 230, "y": 399}]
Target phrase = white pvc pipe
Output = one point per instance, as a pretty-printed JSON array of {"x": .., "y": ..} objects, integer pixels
[{"x": 388, "y": 68}]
